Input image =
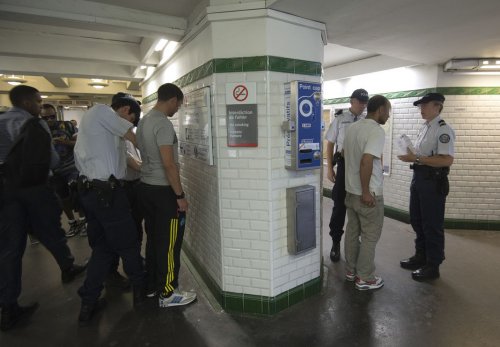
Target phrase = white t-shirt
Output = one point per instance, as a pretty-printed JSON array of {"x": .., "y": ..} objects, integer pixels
[
  {"x": 364, "y": 137},
  {"x": 100, "y": 150},
  {"x": 336, "y": 131}
]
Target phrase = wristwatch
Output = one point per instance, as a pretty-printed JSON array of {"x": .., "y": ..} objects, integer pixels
[
  {"x": 417, "y": 160},
  {"x": 181, "y": 196}
]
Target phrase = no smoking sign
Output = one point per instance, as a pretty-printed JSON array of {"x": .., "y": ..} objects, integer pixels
[{"x": 241, "y": 93}]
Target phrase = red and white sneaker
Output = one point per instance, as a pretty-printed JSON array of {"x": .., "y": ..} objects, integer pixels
[
  {"x": 350, "y": 276},
  {"x": 377, "y": 283}
]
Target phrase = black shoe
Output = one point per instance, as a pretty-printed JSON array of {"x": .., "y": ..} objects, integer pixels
[
  {"x": 139, "y": 295},
  {"x": 413, "y": 263},
  {"x": 427, "y": 272},
  {"x": 69, "y": 275},
  {"x": 87, "y": 311},
  {"x": 335, "y": 252},
  {"x": 12, "y": 314},
  {"x": 116, "y": 280}
]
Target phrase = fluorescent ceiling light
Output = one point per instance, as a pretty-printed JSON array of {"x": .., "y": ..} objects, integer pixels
[
  {"x": 14, "y": 80},
  {"x": 472, "y": 65},
  {"x": 160, "y": 45},
  {"x": 98, "y": 83}
]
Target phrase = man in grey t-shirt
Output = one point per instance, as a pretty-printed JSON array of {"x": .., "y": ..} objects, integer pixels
[{"x": 162, "y": 198}]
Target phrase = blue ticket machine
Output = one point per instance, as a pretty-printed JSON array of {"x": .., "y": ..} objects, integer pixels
[{"x": 302, "y": 125}]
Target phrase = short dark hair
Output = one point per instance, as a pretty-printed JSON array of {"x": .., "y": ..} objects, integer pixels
[
  {"x": 120, "y": 95},
  {"x": 47, "y": 106},
  {"x": 21, "y": 93},
  {"x": 168, "y": 91},
  {"x": 127, "y": 101},
  {"x": 376, "y": 102}
]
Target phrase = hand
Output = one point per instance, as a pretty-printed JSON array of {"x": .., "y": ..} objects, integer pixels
[
  {"x": 183, "y": 205},
  {"x": 331, "y": 175},
  {"x": 368, "y": 199},
  {"x": 409, "y": 157}
]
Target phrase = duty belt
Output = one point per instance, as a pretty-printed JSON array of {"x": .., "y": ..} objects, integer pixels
[{"x": 432, "y": 172}]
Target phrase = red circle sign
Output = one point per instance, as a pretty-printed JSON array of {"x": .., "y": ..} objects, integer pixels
[{"x": 240, "y": 93}]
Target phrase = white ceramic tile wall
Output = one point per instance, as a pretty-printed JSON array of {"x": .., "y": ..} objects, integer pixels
[{"x": 475, "y": 188}]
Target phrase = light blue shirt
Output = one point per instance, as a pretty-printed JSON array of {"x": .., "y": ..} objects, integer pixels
[
  {"x": 435, "y": 137},
  {"x": 100, "y": 149}
]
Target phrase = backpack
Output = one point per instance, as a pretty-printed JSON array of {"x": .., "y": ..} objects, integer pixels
[{"x": 28, "y": 161}]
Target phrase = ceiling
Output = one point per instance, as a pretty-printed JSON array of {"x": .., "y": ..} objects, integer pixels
[{"x": 67, "y": 42}]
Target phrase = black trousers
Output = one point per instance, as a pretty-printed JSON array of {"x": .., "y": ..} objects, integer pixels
[
  {"x": 165, "y": 230},
  {"x": 35, "y": 209},
  {"x": 427, "y": 208},
  {"x": 337, "y": 219},
  {"x": 111, "y": 232}
]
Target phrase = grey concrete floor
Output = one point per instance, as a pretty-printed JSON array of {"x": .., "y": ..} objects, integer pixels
[{"x": 462, "y": 308}]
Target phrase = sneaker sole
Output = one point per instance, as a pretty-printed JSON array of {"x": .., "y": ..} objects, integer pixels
[
  {"x": 172, "y": 304},
  {"x": 350, "y": 278},
  {"x": 358, "y": 287}
]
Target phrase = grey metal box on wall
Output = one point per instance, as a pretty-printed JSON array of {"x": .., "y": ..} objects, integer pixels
[{"x": 301, "y": 218}]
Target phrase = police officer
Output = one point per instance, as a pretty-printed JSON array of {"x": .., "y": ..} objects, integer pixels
[
  {"x": 100, "y": 156},
  {"x": 335, "y": 137},
  {"x": 27, "y": 202},
  {"x": 429, "y": 187}
]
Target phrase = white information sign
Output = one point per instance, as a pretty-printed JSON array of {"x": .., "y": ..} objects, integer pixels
[{"x": 195, "y": 126}]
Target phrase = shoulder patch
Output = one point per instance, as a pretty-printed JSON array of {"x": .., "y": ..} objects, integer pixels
[
  {"x": 444, "y": 138},
  {"x": 339, "y": 112},
  {"x": 442, "y": 123}
]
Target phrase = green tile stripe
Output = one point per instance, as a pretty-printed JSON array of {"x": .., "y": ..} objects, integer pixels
[
  {"x": 422, "y": 92},
  {"x": 246, "y": 64},
  {"x": 255, "y": 304},
  {"x": 449, "y": 223}
]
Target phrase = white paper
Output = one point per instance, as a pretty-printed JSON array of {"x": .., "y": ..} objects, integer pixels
[{"x": 405, "y": 144}]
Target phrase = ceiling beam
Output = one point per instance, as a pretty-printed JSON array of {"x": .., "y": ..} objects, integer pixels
[
  {"x": 88, "y": 14},
  {"x": 16, "y": 43},
  {"x": 58, "y": 82},
  {"x": 66, "y": 68}
]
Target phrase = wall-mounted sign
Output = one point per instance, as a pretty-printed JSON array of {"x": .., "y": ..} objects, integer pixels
[
  {"x": 241, "y": 114},
  {"x": 195, "y": 126}
]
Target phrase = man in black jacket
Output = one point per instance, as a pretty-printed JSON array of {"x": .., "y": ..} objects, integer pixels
[{"x": 26, "y": 201}]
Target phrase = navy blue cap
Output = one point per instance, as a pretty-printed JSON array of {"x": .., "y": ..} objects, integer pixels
[
  {"x": 430, "y": 97},
  {"x": 360, "y": 94}
]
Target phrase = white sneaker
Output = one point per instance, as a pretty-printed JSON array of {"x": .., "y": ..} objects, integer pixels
[
  {"x": 377, "y": 283},
  {"x": 177, "y": 299}
]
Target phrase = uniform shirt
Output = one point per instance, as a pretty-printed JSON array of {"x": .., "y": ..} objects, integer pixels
[
  {"x": 337, "y": 129},
  {"x": 133, "y": 153},
  {"x": 364, "y": 137},
  {"x": 11, "y": 123},
  {"x": 155, "y": 130},
  {"x": 100, "y": 150},
  {"x": 435, "y": 137}
]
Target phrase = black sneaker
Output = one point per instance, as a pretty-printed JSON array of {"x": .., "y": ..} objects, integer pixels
[
  {"x": 116, "y": 280},
  {"x": 87, "y": 311},
  {"x": 82, "y": 227},
  {"x": 69, "y": 275},
  {"x": 13, "y": 314}
]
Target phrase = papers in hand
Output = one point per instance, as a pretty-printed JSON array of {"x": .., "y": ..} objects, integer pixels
[{"x": 405, "y": 144}]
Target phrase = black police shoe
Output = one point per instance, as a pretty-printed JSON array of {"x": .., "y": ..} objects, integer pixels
[
  {"x": 139, "y": 296},
  {"x": 116, "y": 280},
  {"x": 413, "y": 263},
  {"x": 69, "y": 275},
  {"x": 12, "y": 314},
  {"x": 335, "y": 252},
  {"x": 87, "y": 311},
  {"x": 427, "y": 272}
]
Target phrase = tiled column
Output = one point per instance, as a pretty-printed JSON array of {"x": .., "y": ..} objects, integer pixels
[{"x": 236, "y": 233}]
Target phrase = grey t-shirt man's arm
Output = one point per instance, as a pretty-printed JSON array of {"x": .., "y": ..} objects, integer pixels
[{"x": 155, "y": 130}]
